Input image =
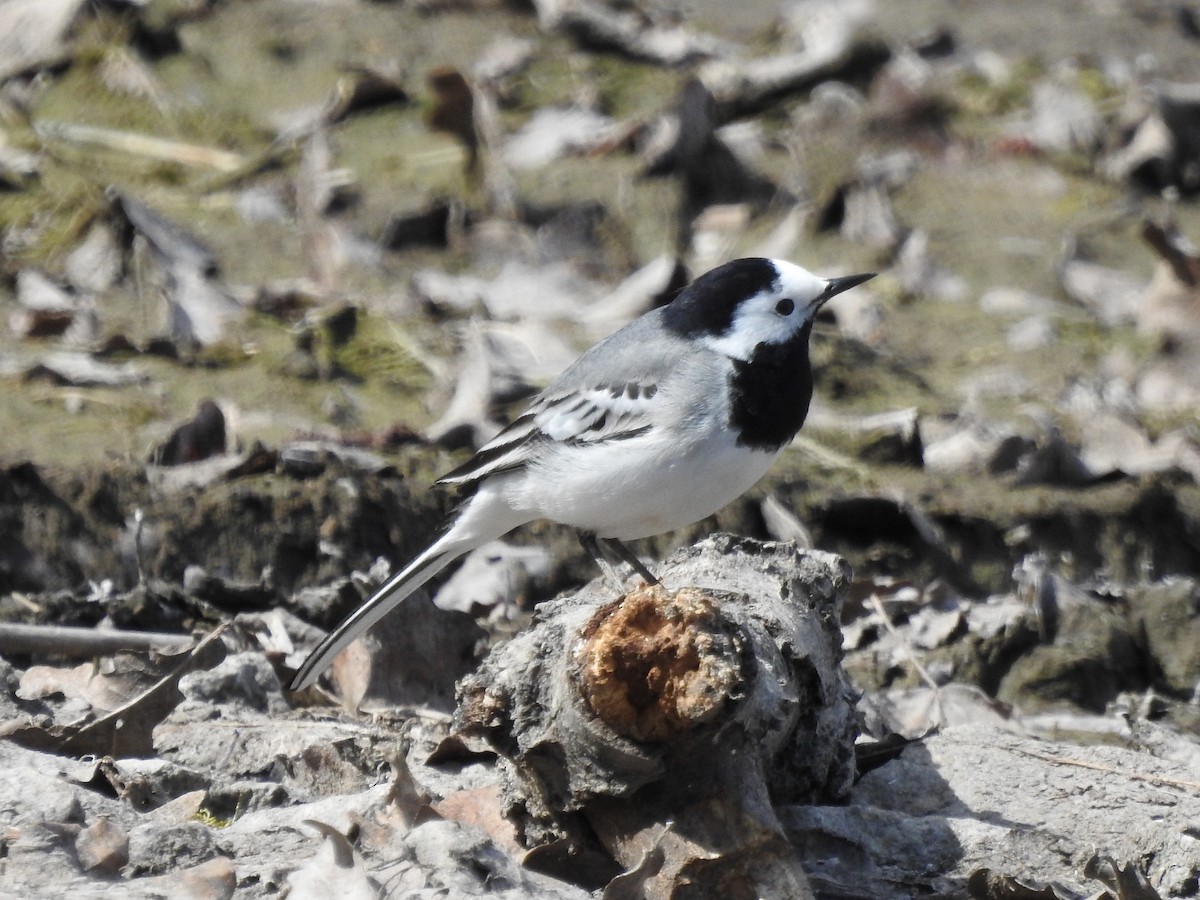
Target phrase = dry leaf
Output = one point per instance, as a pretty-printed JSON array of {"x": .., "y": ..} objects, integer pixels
[
  {"x": 1126, "y": 880},
  {"x": 333, "y": 873},
  {"x": 102, "y": 847},
  {"x": 128, "y": 730},
  {"x": 481, "y": 808}
]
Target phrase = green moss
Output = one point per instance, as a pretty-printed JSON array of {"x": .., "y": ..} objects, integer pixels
[
  {"x": 51, "y": 215},
  {"x": 624, "y": 88},
  {"x": 225, "y": 354},
  {"x": 1097, "y": 85},
  {"x": 207, "y": 817},
  {"x": 80, "y": 96},
  {"x": 377, "y": 353},
  {"x": 631, "y": 89},
  {"x": 979, "y": 98}
]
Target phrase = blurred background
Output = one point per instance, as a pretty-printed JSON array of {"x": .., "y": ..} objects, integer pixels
[{"x": 269, "y": 267}]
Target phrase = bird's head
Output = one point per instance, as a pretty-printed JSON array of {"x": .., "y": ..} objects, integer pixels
[{"x": 747, "y": 302}]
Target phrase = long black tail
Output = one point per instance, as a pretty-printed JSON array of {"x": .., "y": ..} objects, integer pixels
[{"x": 394, "y": 591}]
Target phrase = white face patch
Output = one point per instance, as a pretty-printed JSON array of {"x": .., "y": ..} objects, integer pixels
[{"x": 761, "y": 320}]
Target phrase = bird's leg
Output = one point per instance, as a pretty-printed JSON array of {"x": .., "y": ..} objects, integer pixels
[
  {"x": 630, "y": 557},
  {"x": 592, "y": 546}
]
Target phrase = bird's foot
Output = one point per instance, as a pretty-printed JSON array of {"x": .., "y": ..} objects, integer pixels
[
  {"x": 630, "y": 557},
  {"x": 596, "y": 548}
]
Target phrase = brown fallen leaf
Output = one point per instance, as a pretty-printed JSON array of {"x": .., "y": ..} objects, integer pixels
[
  {"x": 104, "y": 685},
  {"x": 102, "y": 847},
  {"x": 43, "y": 682},
  {"x": 406, "y": 797},
  {"x": 215, "y": 879},
  {"x": 1125, "y": 880},
  {"x": 127, "y": 730},
  {"x": 481, "y": 808}
]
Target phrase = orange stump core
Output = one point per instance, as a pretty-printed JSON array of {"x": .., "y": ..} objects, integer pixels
[{"x": 657, "y": 663}]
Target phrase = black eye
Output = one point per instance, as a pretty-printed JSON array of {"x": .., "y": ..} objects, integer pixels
[{"x": 785, "y": 307}]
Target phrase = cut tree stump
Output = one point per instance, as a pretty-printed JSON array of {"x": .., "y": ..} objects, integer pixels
[{"x": 668, "y": 723}]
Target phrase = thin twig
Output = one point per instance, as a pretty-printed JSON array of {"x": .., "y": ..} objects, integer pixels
[
  {"x": 139, "y": 518},
  {"x": 1112, "y": 770},
  {"x": 64, "y": 640},
  {"x": 877, "y": 605},
  {"x": 145, "y": 145},
  {"x": 828, "y": 457}
]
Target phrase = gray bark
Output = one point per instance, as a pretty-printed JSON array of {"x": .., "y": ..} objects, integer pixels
[{"x": 674, "y": 719}]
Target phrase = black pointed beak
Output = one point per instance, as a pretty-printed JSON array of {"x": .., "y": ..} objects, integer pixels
[{"x": 835, "y": 286}]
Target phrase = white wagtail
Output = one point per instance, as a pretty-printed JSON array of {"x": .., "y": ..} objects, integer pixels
[{"x": 657, "y": 426}]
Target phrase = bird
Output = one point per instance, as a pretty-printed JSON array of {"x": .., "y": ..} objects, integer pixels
[{"x": 657, "y": 426}]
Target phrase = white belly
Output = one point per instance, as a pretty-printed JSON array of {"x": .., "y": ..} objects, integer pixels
[{"x": 638, "y": 487}]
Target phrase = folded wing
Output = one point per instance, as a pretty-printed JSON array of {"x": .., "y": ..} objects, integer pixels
[{"x": 609, "y": 412}]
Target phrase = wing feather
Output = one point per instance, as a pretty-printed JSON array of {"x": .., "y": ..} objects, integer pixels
[{"x": 593, "y": 415}]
